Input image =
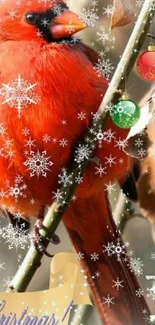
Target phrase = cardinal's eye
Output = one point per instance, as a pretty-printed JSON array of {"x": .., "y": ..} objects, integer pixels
[{"x": 31, "y": 18}]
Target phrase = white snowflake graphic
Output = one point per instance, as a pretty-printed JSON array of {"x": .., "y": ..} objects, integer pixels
[
  {"x": 139, "y": 293},
  {"x": 121, "y": 144},
  {"x": 135, "y": 265},
  {"x": 104, "y": 68},
  {"x": 19, "y": 94},
  {"x": 2, "y": 129},
  {"x": 63, "y": 143},
  {"x": 15, "y": 237},
  {"x": 45, "y": 22},
  {"x": 12, "y": 14},
  {"x": 38, "y": 163},
  {"x": 80, "y": 256},
  {"x": 30, "y": 143},
  {"x": 79, "y": 179},
  {"x": 109, "y": 11},
  {"x": 139, "y": 142},
  {"x": 110, "y": 187},
  {"x": 100, "y": 170},
  {"x": 81, "y": 116},
  {"x": 65, "y": 178},
  {"x": 118, "y": 284},
  {"x": 46, "y": 138},
  {"x": 25, "y": 131},
  {"x": 82, "y": 152},
  {"x": 148, "y": 319},
  {"x": 141, "y": 154},
  {"x": 18, "y": 189},
  {"x": 57, "y": 9},
  {"x": 57, "y": 195},
  {"x": 96, "y": 275},
  {"x": 94, "y": 3},
  {"x": 94, "y": 257},
  {"x": 110, "y": 160},
  {"x": 7, "y": 281},
  {"x": 108, "y": 300},
  {"x": 89, "y": 17},
  {"x": 106, "y": 136},
  {"x": 101, "y": 136},
  {"x": 105, "y": 36},
  {"x": 109, "y": 135},
  {"x": 116, "y": 249}
]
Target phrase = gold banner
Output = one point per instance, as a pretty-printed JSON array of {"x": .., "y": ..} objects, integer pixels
[{"x": 68, "y": 287}]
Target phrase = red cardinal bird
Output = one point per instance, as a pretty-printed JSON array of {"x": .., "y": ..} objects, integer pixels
[{"x": 49, "y": 91}]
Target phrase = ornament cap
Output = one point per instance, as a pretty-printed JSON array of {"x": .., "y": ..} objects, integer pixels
[
  {"x": 125, "y": 96},
  {"x": 151, "y": 47}
]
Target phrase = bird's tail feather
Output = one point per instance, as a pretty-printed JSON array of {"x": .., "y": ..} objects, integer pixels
[{"x": 105, "y": 261}]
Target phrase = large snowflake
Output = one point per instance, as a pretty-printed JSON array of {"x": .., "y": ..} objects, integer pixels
[
  {"x": 38, "y": 163},
  {"x": 19, "y": 93},
  {"x": 15, "y": 237}
]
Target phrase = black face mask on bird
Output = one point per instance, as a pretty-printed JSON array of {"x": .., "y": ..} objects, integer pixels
[{"x": 56, "y": 24}]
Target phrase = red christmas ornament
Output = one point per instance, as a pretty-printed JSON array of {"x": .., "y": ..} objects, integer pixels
[{"x": 146, "y": 64}]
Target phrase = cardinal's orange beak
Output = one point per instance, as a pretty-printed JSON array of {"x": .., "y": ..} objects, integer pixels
[{"x": 66, "y": 25}]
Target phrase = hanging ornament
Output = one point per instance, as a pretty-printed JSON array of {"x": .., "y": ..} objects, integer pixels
[
  {"x": 146, "y": 64},
  {"x": 125, "y": 113}
]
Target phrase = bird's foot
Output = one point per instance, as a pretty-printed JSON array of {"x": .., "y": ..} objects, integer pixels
[
  {"x": 39, "y": 241},
  {"x": 11, "y": 289},
  {"x": 54, "y": 240}
]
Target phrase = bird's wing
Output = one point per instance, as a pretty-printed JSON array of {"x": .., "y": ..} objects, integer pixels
[{"x": 90, "y": 53}]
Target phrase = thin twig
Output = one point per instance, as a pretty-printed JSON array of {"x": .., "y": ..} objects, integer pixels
[
  {"x": 57, "y": 210},
  {"x": 151, "y": 36}
]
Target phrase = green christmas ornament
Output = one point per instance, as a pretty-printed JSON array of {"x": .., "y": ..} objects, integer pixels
[{"x": 125, "y": 113}]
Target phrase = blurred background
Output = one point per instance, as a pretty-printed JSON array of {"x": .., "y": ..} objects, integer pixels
[{"x": 138, "y": 230}]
